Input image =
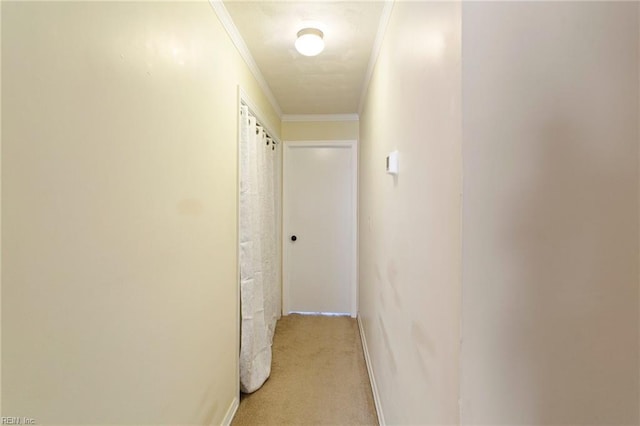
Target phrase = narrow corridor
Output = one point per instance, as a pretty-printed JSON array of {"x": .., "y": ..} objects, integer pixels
[{"x": 318, "y": 376}]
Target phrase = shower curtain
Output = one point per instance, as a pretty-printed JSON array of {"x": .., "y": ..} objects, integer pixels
[{"x": 259, "y": 254}]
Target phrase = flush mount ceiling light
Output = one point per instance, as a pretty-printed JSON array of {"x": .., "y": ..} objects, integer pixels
[{"x": 310, "y": 42}]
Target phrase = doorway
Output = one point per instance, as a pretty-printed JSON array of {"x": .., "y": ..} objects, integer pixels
[{"x": 319, "y": 227}]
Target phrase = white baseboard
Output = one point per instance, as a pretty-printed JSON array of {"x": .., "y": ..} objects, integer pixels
[
  {"x": 231, "y": 412},
  {"x": 372, "y": 378}
]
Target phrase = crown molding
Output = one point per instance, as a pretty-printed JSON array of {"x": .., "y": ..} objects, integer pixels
[
  {"x": 319, "y": 117},
  {"x": 241, "y": 46},
  {"x": 375, "y": 51}
]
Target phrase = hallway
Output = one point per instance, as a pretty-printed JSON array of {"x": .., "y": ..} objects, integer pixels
[
  {"x": 494, "y": 196},
  {"x": 318, "y": 376}
]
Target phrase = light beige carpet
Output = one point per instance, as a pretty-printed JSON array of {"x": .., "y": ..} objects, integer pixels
[{"x": 318, "y": 377}]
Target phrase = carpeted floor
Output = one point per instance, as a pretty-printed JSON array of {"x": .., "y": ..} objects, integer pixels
[{"x": 318, "y": 377}]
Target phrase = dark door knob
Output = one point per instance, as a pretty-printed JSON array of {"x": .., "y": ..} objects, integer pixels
[{"x": 293, "y": 238}]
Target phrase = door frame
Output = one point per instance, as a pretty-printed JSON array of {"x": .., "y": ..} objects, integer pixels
[{"x": 287, "y": 146}]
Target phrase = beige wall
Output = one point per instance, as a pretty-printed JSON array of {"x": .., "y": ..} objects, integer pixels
[
  {"x": 119, "y": 170},
  {"x": 550, "y": 222},
  {"x": 319, "y": 130},
  {"x": 410, "y": 225}
]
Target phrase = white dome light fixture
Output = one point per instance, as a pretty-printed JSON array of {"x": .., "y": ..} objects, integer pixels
[{"x": 310, "y": 41}]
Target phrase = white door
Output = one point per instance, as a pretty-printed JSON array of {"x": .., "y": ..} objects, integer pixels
[{"x": 319, "y": 225}]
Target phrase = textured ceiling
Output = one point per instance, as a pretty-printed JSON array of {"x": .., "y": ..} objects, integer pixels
[{"x": 329, "y": 83}]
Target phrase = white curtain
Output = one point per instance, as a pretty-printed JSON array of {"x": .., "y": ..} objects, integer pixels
[{"x": 259, "y": 252}]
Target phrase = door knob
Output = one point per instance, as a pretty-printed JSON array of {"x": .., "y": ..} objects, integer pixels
[{"x": 293, "y": 238}]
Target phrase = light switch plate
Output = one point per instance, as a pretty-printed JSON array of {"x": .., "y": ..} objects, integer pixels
[{"x": 392, "y": 163}]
